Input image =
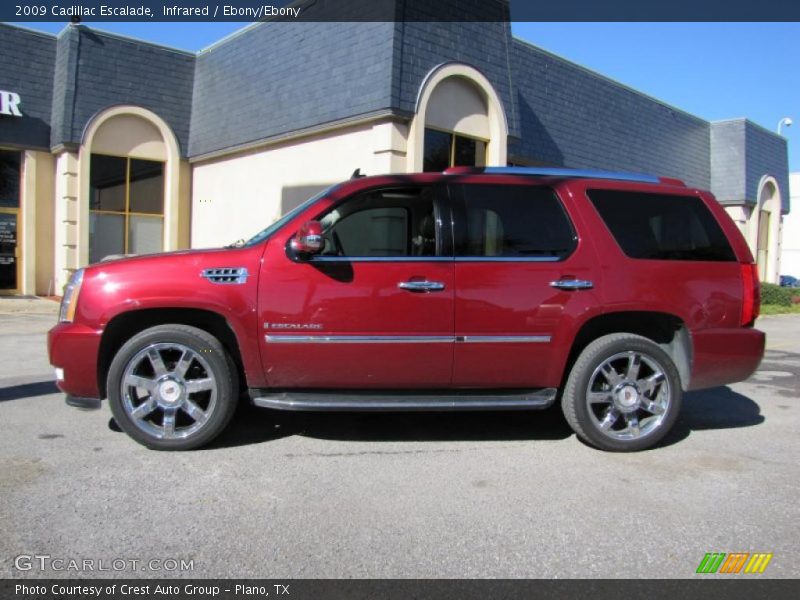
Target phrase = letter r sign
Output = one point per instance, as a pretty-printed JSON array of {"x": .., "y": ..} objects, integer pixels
[{"x": 9, "y": 104}]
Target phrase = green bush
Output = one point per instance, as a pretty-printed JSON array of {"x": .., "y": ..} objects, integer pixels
[{"x": 776, "y": 295}]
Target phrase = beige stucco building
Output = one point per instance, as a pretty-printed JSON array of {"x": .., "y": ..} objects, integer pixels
[{"x": 111, "y": 146}]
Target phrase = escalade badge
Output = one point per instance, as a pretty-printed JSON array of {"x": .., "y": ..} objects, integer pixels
[{"x": 292, "y": 326}]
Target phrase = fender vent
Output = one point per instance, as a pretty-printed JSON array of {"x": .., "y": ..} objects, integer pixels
[{"x": 225, "y": 275}]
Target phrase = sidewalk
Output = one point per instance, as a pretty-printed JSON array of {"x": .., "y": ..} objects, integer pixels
[{"x": 29, "y": 305}]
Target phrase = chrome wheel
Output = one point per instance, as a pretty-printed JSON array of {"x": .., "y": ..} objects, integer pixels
[
  {"x": 169, "y": 391},
  {"x": 628, "y": 396}
]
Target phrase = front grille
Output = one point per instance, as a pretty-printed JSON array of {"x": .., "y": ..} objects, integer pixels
[{"x": 225, "y": 275}]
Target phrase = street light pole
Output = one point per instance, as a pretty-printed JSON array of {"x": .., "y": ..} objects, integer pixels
[{"x": 784, "y": 121}]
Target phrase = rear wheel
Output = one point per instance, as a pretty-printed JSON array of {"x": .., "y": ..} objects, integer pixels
[
  {"x": 623, "y": 393},
  {"x": 172, "y": 387}
]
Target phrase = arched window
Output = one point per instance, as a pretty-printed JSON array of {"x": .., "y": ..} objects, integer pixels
[
  {"x": 456, "y": 126},
  {"x": 459, "y": 121},
  {"x": 129, "y": 172}
]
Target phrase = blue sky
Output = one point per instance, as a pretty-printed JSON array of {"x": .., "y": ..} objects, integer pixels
[{"x": 713, "y": 70}]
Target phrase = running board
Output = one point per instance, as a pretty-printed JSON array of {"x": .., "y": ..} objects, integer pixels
[{"x": 375, "y": 400}]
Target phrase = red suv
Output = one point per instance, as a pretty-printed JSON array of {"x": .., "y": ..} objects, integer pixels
[{"x": 472, "y": 289}]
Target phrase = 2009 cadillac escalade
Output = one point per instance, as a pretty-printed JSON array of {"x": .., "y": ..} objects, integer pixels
[{"x": 476, "y": 288}]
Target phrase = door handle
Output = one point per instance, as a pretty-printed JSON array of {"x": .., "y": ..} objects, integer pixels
[
  {"x": 572, "y": 284},
  {"x": 421, "y": 286}
]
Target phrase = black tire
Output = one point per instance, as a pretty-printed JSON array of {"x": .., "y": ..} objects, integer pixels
[
  {"x": 628, "y": 400},
  {"x": 208, "y": 365}
]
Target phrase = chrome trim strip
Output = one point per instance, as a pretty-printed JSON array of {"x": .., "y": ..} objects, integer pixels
[
  {"x": 406, "y": 339},
  {"x": 359, "y": 339},
  {"x": 508, "y": 259},
  {"x": 503, "y": 339},
  {"x": 316, "y": 259},
  {"x": 581, "y": 173},
  {"x": 356, "y": 259}
]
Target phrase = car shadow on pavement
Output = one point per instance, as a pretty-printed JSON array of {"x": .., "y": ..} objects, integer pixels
[
  {"x": 714, "y": 408},
  {"x": 28, "y": 390},
  {"x": 717, "y": 408},
  {"x": 253, "y": 425}
]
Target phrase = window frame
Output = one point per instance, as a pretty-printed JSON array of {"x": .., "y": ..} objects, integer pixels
[
  {"x": 459, "y": 224},
  {"x": 127, "y": 213},
  {"x": 442, "y": 221},
  {"x": 453, "y": 135},
  {"x": 688, "y": 195},
  {"x": 406, "y": 217}
]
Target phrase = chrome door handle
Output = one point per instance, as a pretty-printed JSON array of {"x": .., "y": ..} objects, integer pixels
[
  {"x": 421, "y": 286},
  {"x": 572, "y": 284}
]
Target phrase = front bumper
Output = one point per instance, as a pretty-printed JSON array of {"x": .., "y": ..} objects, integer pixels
[
  {"x": 83, "y": 403},
  {"x": 73, "y": 350},
  {"x": 723, "y": 356}
]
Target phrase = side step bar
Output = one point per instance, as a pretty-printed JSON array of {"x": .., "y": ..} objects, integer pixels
[{"x": 376, "y": 400}]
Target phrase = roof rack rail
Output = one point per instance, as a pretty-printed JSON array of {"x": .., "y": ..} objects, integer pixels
[{"x": 555, "y": 172}]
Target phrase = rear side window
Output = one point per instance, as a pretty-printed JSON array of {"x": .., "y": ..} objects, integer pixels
[
  {"x": 662, "y": 227},
  {"x": 517, "y": 221}
]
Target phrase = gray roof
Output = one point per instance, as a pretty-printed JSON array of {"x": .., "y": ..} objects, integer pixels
[
  {"x": 742, "y": 153},
  {"x": 574, "y": 117},
  {"x": 276, "y": 78},
  {"x": 96, "y": 70},
  {"x": 27, "y": 61}
]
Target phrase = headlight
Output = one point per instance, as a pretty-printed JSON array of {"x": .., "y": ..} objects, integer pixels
[{"x": 70, "y": 298}]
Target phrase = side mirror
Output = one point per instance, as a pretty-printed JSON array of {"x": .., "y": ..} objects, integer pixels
[{"x": 308, "y": 240}]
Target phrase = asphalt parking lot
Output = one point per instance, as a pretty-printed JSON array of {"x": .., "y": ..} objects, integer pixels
[{"x": 400, "y": 495}]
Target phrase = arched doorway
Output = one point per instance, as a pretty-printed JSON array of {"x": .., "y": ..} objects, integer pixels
[
  {"x": 765, "y": 229},
  {"x": 459, "y": 120}
]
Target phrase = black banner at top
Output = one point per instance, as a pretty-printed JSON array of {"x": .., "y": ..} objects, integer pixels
[{"x": 89, "y": 11}]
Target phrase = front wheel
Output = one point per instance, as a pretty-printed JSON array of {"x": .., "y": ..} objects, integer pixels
[
  {"x": 623, "y": 393},
  {"x": 172, "y": 387}
]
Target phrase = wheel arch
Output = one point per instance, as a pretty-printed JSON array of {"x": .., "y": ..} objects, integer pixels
[
  {"x": 667, "y": 330},
  {"x": 127, "y": 324}
]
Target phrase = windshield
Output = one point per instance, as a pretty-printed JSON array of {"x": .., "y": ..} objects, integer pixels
[{"x": 265, "y": 233}]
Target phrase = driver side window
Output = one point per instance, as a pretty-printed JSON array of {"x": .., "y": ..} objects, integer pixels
[{"x": 391, "y": 222}]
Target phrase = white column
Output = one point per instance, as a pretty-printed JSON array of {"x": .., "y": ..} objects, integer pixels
[{"x": 66, "y": 219}]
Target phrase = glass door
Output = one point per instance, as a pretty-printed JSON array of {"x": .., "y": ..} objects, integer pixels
[
  {"x": 9, "y": 265},
  {"x": 9, "y": 221}
]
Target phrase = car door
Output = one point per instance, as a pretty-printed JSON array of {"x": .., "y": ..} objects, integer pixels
[
  {"x": 521, "y": 275},
  {"x": 374, "y": 309}
]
